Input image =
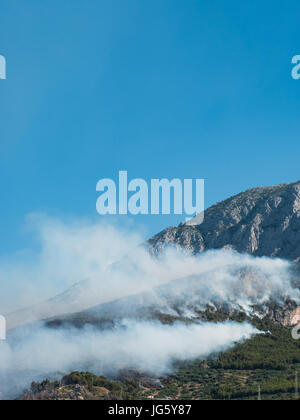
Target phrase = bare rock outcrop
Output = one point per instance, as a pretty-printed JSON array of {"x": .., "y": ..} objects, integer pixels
[{"x": 262, "y": 221}]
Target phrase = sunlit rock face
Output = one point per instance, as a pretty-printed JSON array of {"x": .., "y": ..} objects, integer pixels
[{"x": 262, "y": 221}]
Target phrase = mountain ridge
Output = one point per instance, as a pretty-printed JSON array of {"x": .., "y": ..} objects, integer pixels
[{"x": 262, "y": 221}]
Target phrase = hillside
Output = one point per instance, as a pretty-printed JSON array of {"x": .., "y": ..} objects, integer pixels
[{"x": 268, "y": 361}]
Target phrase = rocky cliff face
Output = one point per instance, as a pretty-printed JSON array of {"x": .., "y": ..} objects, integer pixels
[{"x": 261, "y": 221}]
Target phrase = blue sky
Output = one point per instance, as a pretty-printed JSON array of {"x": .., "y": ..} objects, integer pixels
[{"x": 167, "y": 88}]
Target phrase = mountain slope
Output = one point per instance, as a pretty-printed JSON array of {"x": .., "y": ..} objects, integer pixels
[
  {"x": 262, "y": 221},
  {"x": 251, "y": 292}
]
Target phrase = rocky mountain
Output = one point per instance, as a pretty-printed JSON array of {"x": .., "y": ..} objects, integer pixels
[{"x": 262, "y": 221}]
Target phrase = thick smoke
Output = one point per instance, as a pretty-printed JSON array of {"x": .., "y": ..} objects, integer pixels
[
  {"x": 108, "y": 268},
  {"x": 98, "y": 264},
  {"x": 64, "y": 254},
  {"x": 149, "y": 347}
]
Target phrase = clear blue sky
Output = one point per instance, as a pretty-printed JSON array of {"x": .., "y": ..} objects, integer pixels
[{"x": 161, "y": 88}]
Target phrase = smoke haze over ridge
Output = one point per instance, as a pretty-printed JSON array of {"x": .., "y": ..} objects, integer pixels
[
  {"x": 107, "y": 263},
  {"x": 117, "y": 269},
  {"x": 149, "y": 347}
]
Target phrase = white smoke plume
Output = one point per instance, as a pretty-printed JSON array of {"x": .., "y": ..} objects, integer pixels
[
  {"x": 97, "y": 264},
  {"x": 114, "y": 273},
  {"x": 149, "y": 347}
]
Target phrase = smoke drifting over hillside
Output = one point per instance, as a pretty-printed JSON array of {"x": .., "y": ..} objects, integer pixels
[
  {"x": 106, "y": 263},
  {"x": 121, "y": 275},
  {"x": 148, "y": 346}
]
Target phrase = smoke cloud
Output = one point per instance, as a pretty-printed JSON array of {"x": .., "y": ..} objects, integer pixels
[
  {"x": 105, "y": 270},
  {"x": 80, "y": 265},
  {"x": 149, "y": 347}
]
